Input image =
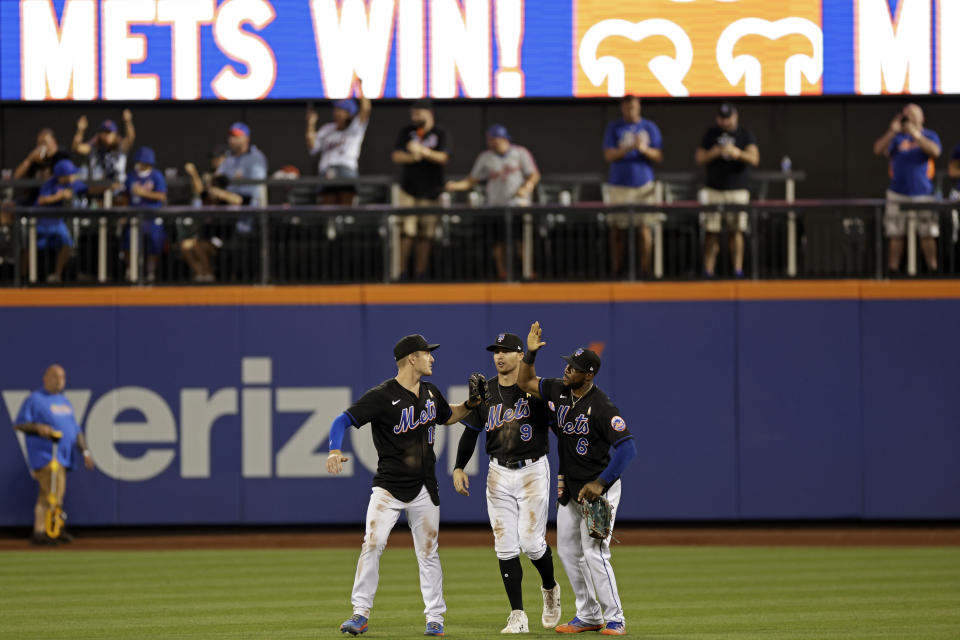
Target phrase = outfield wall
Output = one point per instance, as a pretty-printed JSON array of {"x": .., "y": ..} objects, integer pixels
[{"x": 747, "y": 400}]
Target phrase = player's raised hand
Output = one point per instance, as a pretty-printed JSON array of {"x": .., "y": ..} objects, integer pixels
[
  {"x": 534, "y": 341},
  {"x": 335, "y": 462},
  {"x": 82, "y": 123},
  {"x": 461, "y": 482}
]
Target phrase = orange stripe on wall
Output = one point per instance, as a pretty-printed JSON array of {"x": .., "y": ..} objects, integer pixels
[{"x": 596, "y": 292}]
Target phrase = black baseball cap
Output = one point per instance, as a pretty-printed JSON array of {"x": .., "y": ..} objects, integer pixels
[
  {"x": 583, "y": 360},
  {"x": 509, "y": 341},
  {"x": 411, "y": 344},
  {"x": 726, "y": 109}
]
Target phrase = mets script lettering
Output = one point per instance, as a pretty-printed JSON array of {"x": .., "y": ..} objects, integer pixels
[
  {"x": 497, "y": 416},
  {"x": 408, "y": 422},
  {"x": 580, "y": 425}
]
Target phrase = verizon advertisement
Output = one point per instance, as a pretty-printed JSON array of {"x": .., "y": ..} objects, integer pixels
[{"x": 298, "y": 49}]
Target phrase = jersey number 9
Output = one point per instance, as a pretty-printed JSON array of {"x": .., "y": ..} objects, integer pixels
[{"x": 526, "y": 432}]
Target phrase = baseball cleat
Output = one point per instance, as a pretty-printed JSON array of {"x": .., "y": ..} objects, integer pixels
[
  {"x": 578, "y": 626},
  {"x": 551, "y": 606},
  {"x": 356, "y": 625},
  {"x": 517, "y": 622},
  {"x": 614, "y": 629},
  {"x": 43, "y": 540},
  {"x": 434, "y": 629}
]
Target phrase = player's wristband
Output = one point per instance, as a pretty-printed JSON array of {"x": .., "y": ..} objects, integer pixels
[{"x": 530, "y": 356}]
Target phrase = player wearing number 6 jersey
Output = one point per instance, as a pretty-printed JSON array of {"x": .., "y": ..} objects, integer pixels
[
  {"x": 518, "y": 481},
  {"x": 404, "y": 413},
  {"x": 595, "y": 447}
]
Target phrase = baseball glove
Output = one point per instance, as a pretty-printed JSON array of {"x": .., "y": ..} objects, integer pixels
[
  {"x": 477, "y": 389},
  {"x": 597, "y": 514}
]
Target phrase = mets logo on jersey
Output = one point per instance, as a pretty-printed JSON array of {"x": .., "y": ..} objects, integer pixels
[
  {"x": 61, "y": 409},
  {"x": 618, "y": 423}
]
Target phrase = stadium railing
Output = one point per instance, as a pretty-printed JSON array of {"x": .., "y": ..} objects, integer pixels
[{"x": 315, "y": 244}]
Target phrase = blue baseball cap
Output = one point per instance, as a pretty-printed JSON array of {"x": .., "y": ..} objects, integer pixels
[
  {"x": 239, "y": 129},
  {"x": 109, "y": 125},
  {"x": 145, "y": 155},
  {"x": 498, "y": 131},
  {"x": 64, "y": 168},
  {"x": 350, "y": 106}
]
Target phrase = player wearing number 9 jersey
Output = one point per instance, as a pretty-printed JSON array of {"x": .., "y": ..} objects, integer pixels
[
  {"x": 518, "y": 480},
  {"x": 595, "y": 448},
  {"x": 404, "y": 413}
]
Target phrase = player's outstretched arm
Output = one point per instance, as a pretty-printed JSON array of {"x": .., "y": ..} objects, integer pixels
[
  {"x": 468, "y": 442},
  {"x": 336, "y": 458},
  {"x": 527, "y": 379}
]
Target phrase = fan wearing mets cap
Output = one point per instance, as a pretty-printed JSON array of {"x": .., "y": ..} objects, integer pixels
[
  {"x": 518, "y": 480},
  {"x": 404, "y": 413},
  {"x": 595, "y": 448}
]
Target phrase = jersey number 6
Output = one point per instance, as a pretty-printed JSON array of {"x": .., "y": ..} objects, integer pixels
[{"x": 582, "y": 445}]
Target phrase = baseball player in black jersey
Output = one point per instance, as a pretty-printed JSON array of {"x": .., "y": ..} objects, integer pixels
[
  {"x": 404, "y": 413},
  {"x": 595, "y": 448},
  {"x": 518, "y": 481}
]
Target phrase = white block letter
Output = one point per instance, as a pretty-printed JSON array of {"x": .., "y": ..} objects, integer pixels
[
  {"x": 948, "y": 64},
  {"x": 185, "y": 19},
  {"x": 352, "y": 42},
  {"x": 121, "y": 48},
  {"x": 460, "y": 48},
  {"x": 198, "y": 411},
  {"x": 305, "y": 453},
  {"x": 104, "y": 432},
  {"x": 411, "y": 73},
  {"x": 246, "y": 48},
  {"x": 888, "y": 50},
  {"x": 59, "y": 62}
]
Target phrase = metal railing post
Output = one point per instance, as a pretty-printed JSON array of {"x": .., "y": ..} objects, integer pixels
[
  {"x": 631, "y": 246},
  {"x": 102, "y": 249},
  {"x": 754, "y": 244},
  {"x": 134, "y": 257},
  {"x": 790, "y": 196},
  {"x": 32, "y": 250},
  {"x": 508, "y": 249},
  {"x": 878, "y": 240},
  {"x": 912, "y": 243},
  {"x": 658, "y": 248},
  {"x": 527, "y": 246},
  {"x": 394, "y": 247},
  {"x": 264, "y": 248}
]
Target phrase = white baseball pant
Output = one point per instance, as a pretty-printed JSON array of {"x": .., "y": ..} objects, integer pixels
[
  {"x": 424, "y": 519},
  {"x": 587, "y": 563},
  {"x": 517, "y": 503}
]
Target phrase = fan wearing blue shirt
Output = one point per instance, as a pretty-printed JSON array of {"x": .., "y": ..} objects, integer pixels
[
  {"x": 45, "y": 412},
  {"x": 631, "y": 146},
  {"x": 52, "y": 233},
  {"x": 147, "y": 188},
  {"x": 912, "y": 151}
]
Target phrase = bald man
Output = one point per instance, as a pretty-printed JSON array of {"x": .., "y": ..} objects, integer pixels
[
  {"x": 44, "y": 414},
  {"x": 912, "y": 151}
]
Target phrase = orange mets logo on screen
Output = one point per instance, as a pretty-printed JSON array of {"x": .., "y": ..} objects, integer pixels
[{"x": 697, "y": 47}]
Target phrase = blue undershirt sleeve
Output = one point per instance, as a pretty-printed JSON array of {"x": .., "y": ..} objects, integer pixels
[
  {"x": 339, "y": 427},
  {"x": 622, "y": 455}
]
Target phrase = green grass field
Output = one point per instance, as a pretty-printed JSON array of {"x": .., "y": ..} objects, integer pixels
[{"x": 668, "y": 592}]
